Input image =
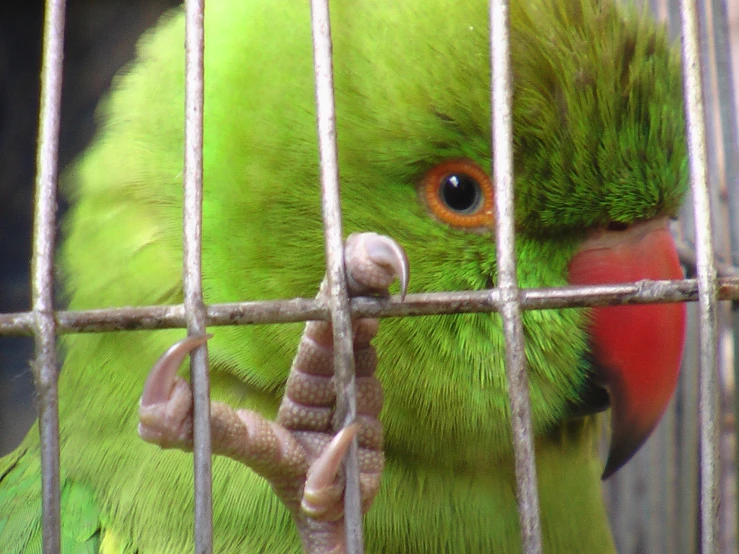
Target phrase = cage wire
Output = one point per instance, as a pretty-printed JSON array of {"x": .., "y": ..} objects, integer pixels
[{"x": 679, "y": 492}]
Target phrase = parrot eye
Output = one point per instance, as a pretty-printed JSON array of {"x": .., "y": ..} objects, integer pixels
[{"x": 459, "y": 193}]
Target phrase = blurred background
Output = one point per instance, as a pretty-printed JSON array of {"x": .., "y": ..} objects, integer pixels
[
  {"x": 100, "y": 37},
  {"x": 653, "y": 501}
]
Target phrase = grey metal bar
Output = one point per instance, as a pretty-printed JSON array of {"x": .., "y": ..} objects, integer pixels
[
  {"x": 727, "y": 111},
  {"x": 518, "y": 389},
  {"x": 192, "y": 274},
  {"x": 730, "y": 139},
  {"x": 707, "y": 391},
  {"x": 304, "y": 309},
  {"x": 44, "y": 324},
  {"x": 729, "y": 118},
  {"x": 730, "y": 142},
  {"x": 689, "y": 461},
  {"x": 710, "y": 113},
  {"x": 346, "y": 404}
]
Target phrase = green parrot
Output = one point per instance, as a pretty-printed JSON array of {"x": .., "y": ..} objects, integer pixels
[{"x": 600, "y": 167}]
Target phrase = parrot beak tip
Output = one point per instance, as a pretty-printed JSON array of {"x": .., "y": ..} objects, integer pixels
[{"x": 625, "y": 443}]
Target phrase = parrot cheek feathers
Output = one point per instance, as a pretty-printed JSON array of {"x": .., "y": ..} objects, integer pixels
[{"x": 637, "y": 348}]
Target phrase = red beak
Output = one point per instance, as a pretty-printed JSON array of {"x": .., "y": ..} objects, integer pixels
[{"x": 637, "y": 348}]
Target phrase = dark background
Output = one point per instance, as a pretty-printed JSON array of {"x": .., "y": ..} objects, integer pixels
[{"x": 100, "y": 38}]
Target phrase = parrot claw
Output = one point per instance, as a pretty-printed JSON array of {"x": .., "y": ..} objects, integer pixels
[
  {"x": 165, "y": 407},
  {"x": 168, "y": 423},
  {"x": 318, "y": 492},
  {"x": 159, "y": 383},
  {"x": 377, "y": 260},
  {"x": 299, "y": 454}
]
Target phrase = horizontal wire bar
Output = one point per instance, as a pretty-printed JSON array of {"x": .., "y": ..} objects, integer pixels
[{"x": 304, "y": 309}]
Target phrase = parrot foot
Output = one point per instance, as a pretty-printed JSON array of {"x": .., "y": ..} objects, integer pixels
[{"x": 298, "y": 454}]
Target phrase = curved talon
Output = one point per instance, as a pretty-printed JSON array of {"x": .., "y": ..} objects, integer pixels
[
  {"x": 385, "y": 251},
  {"x": 324, "y": 470},
  {"x": 379, "y": 259},
  {"x": 159, "y": 383}
]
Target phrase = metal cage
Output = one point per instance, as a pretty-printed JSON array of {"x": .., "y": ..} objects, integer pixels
[{"x": 687, "y": 496}]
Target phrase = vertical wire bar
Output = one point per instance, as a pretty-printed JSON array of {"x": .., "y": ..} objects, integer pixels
[
  {"x": 729, "y": 118},
  {"x": 45, "y": 364},
  {"x": 730, "y": 145},
  {"x": 710, "y": 99},
  {"x": 707, "y": 391},
  {"x": 689, "y": 433},
  {"x": 192, "y": 273},
  {"x": 346, "y": 404},
  {"x": 518, "y": 389},
  {"x": 726, "y": 108}
]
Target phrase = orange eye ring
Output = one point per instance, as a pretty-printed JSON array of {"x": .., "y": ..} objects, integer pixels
[{"x": 460, "y": 194}]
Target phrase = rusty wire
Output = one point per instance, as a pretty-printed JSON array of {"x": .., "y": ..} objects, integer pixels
[
  {"x": 344, "y": 381},
  {"x": 264, "y": 312},
  {"x": 45, "y": 364},
  {"x": 193, "y": 274},
  {"x": 501, "y": 95}
]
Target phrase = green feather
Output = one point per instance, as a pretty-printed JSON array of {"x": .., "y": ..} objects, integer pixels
[
  {"x": 598, "y": 129},
  {"x": 20, "y": 507}
]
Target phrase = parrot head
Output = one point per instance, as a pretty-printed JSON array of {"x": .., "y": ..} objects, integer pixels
[{"x": 599, "y": 168}]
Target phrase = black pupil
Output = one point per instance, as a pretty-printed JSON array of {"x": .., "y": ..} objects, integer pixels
[{"x": 461, "y": 193}]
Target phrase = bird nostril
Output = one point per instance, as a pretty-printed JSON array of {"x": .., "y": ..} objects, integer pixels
[{"x": 617, "y": 226}]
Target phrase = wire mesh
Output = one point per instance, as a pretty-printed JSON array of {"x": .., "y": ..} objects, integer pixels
[{"x": 44, "y": 323}]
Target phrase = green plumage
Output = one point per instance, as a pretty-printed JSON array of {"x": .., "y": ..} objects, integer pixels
[{"x": 598, "y": 137}]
